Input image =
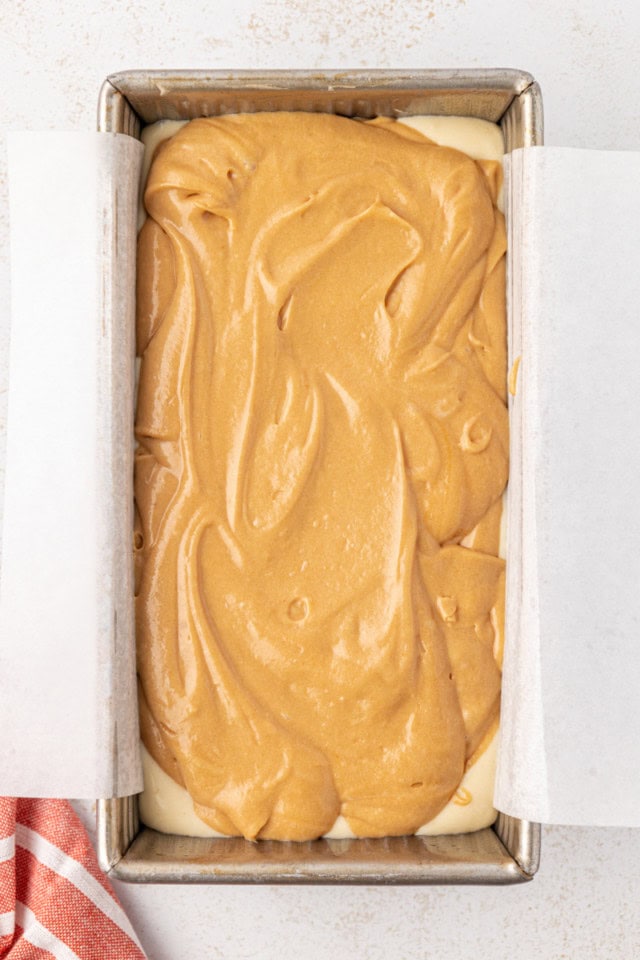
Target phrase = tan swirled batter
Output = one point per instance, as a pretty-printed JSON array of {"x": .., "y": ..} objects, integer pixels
[{"x": 321, "y": 422}]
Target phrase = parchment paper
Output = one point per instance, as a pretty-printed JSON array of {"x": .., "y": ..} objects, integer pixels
[
  {"x": 68, "y": 722},
  {"x": 570, "y": 742}
]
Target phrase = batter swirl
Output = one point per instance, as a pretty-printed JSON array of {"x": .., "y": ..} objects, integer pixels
[{"x": 321, "y": 422}]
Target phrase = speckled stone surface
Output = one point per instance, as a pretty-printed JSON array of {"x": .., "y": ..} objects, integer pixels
[{"x": 584, "y": 903}]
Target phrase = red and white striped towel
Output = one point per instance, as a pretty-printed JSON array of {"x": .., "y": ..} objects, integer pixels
[{"x": 54, "y": 900}]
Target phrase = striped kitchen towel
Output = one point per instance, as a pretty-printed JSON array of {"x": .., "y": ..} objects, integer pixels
[{"x": 54, "y": 900}]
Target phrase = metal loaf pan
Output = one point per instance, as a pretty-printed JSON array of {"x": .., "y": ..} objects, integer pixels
[{"x": 509, "y": 851}]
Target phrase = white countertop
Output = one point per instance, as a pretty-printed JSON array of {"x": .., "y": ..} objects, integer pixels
[{"x": 53, "y": 57}]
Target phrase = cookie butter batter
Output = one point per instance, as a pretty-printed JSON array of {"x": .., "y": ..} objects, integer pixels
[{"x": 321, "y": 425}]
